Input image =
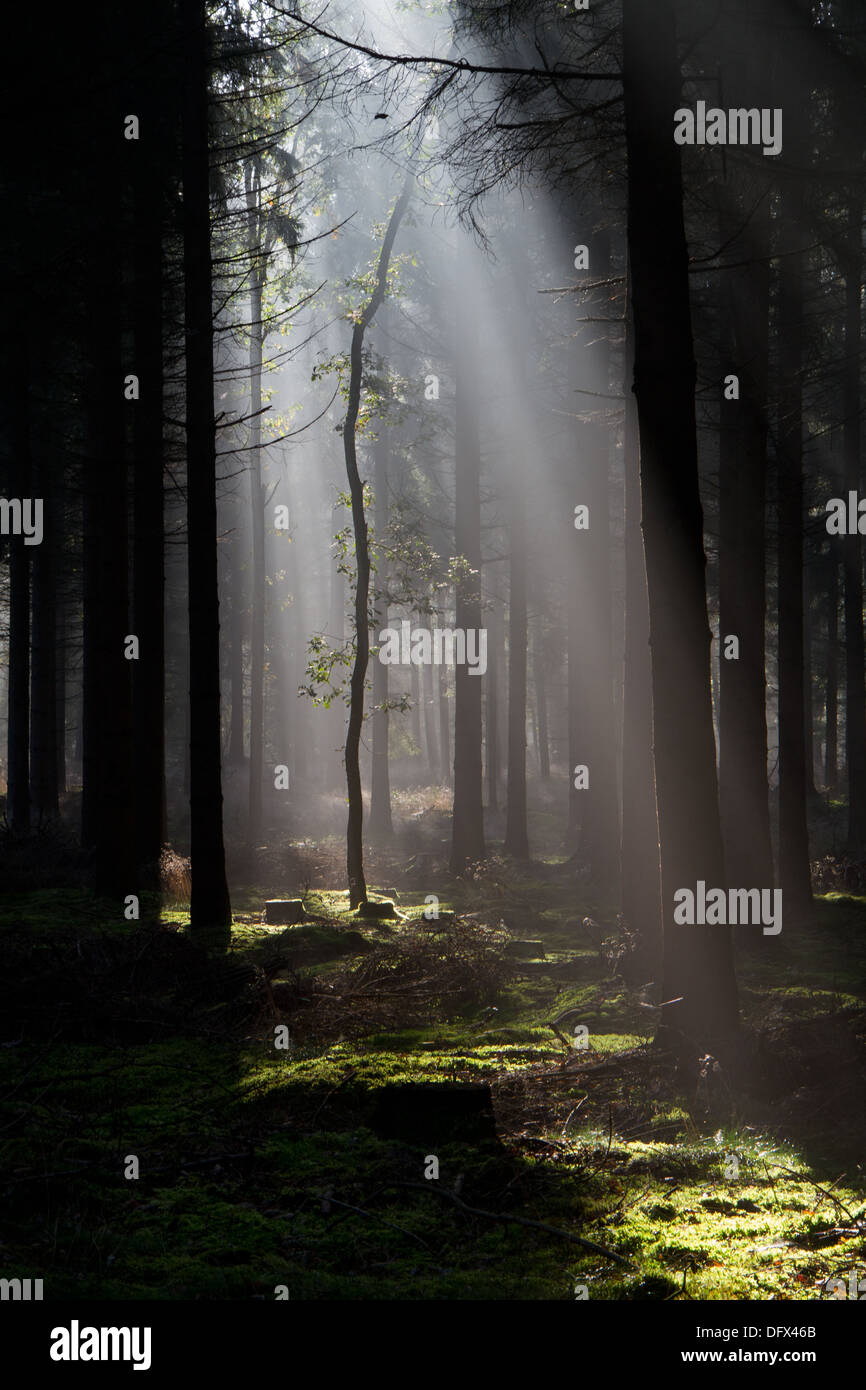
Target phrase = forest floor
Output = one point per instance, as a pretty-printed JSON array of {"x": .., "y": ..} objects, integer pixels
[{"x": 265, "y": 1167}]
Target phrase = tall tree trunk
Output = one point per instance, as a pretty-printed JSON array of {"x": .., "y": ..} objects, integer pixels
[
  {"x": 855, "y": 696},
  {"x": 516, "y": 831},
  {"x": 60, "y": 697},
  {"x": 380, "y": 782},
  {"x": 516, "y": 841},
  {"x": 257, "y": 511},
  {"x": 18, "y": 726},
  {"x": 808, "y": 720},
  {"x": 427, "y": 688},
  {"x": 354, "y": 831},
  {"x": 335, "y": 714},
  {"x": 149, "y": 553},
  {"x": 491, "y": 724},
  {"x": 467, "y": 827},
  {"x": 698, "y": 969},
  {"x": 793, "y": 834},
  {"x": 831, "y": 697},
  {"x": 236, "y": 650},
  {"x": 540, "y": 681},
  {"x": 43, "y": 673},
  {"x": 743, "y": 788},
  {"x": 641, "y": 884},
  {"x": 444, "y": 726},
  {"x": 108, "y": 743},
  {"x": 599, "y": 833},
  {"x": 210, "y": 907},
  {"x": 415, "y": 710}
]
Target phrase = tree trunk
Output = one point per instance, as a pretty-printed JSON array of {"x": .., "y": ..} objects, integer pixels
[
  {"x": 855, "y": 691},
  {"x": 18, "y": 727},
  {"x": 60, "y": 698},
  {"x": 236, "y": 650},
  {"x": 257, "y": 512},
  {"x": 415, "y": 711},
  {"x": 540, "y": 681},
  {"x": 641, "y": 903},
  {"x": 109, "y": 819},
  {"x": 491, "y": 726},
  {"x": 743, "y": 788},
  {"x": 210, "y": 907},
  {"x": 380, "y": 782},
  {"x": 698, "y": 969},
  {"x": 427, "y": 688},
  {"x": 793, "y": 834},
  {"x": 335, "y": 714},
  {"x": 516, "y": 832},
  {"x": 354, "y": 831},
  {"x": 591, "y": 652},
  {"x": 831, "y": 696},
  {"x": 148, "y": 553},
  {"x": 43, "y": 674},
  {"x": 444, "y": 727},
  {"x": 467, "y": 827}
]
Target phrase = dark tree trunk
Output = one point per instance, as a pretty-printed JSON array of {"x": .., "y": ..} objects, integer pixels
[
  {"x": 491, "y": 724},
  {"x": 793, "y": 835},
  {"x": 236, "y": 649},
  {"x": 809, "y": 717},
  {"x": 60, "y": 699},
  {"x": 599, "y": 834},
  {"x": 540, "y": 681},
  {"x": 467, "y": 844},
  {"x": 149, "y": 558},
  {"x": 109, "y": 818},
  {"x": 415, "y": 710},
  {"x": 210, "y": 907},
  {"x": 516, "y": 832},
  {"x": 641, "y": 903},
  {"x": 855, "y": 697},
  {"x": 257, "y": 514},
  {"x": 18, "y": 768},
  {"x": 380, "y": 781},
  {"x": 427, "y": 689},
  {"x": 831, "y": 695},
  {"x": 697, "y": 959},
  {"x": 743, "y": 788},
  {"x": 444, "y": 726},
  {"x": 516, "y": 841},
  {"x": 43, "y": 675}
]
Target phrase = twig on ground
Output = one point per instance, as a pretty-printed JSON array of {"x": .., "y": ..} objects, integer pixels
[{"x": 520, "y": 1221}]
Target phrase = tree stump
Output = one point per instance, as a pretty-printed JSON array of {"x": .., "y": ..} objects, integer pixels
[
  {"x": 379, "y": 911},
  {"x": 530, "y": 949},
  {"x": 435, "y": 1112},
  {"x": 284, "y": 912}
]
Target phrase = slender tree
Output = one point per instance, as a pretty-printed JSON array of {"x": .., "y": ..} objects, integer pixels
[
  {"x": 354, "y": 832},
  {"x": 467, "y": 825},
  {"x": 210, "y": 907},
  {"x": 698, "y": 969}
]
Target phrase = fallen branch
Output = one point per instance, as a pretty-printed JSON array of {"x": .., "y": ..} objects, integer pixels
[
  {"x": 520, "y": 1221},
  {"x": 373, "y": 1217},
  {"x": 825, "y": 1191}
]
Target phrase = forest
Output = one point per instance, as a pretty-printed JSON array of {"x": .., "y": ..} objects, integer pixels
[{"x": 433, "y": 775}]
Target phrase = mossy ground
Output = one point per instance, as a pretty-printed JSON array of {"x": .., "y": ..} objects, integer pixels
[{"x": 259, "y": 1167}]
